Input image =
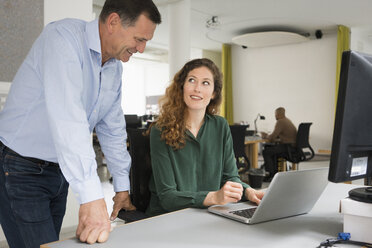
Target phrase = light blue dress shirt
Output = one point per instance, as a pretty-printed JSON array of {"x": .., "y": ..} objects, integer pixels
[{"x": 59, "y": 95}]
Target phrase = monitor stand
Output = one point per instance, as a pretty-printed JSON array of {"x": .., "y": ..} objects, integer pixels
[{"x": 361, "y": 194}]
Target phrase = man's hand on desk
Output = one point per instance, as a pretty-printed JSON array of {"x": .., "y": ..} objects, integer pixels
[
  {"x": 254, "y": 195},
  {"x": 94, "y": 224},
  {"x": 230, "y": 192},
  {"x": 121, "y": 200}
]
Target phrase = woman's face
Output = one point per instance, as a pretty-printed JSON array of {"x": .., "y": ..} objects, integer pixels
[{"x": 198, "y": 89}]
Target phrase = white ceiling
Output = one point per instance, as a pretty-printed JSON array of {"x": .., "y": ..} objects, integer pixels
[{"x": 236, "y": 17}]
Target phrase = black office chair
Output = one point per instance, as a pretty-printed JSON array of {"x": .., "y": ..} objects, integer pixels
[
  {"x": 140, "y": 173},
  {"x": 132, "y": 121},
  {"x": 238, "y": 135},
  {"x": 303, "y": 150}
]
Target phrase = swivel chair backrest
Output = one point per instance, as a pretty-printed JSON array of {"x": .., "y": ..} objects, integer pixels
[
  {"x": 238, "y": 136},
  {"x": 303, "y": 133},
  {"x": 132, "y": 121},
  {"x": 302, "y": 142},
  {"x": 140, "y": 173}
]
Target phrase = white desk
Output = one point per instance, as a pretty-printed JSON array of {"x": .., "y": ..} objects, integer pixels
[{"x": 198, "y": 228}]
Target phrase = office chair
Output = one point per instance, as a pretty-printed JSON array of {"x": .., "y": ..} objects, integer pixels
[
  {"x": 132, "y": 121},
  {"x": 298, "y": 154},
  {"x": 238, "y": 135},
  {"x": 140, "y": 173}
]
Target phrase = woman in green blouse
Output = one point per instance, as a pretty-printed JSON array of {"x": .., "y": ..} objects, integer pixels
[{"x": 192, "y": 153}]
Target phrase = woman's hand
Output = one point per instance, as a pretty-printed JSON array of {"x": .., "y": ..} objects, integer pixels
[
  {"x": 254, "y": 195},
  {"x": 230, "y": 192}
]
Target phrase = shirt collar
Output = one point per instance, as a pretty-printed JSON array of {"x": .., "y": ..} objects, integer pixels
[
  {"x": 92, "y": 36},
  {"x": 207, "y": 117}
]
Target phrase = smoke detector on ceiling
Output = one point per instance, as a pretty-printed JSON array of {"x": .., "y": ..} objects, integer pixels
[
  {"x": 268, "y": 38},
  {"x": 213, "y": 22}
]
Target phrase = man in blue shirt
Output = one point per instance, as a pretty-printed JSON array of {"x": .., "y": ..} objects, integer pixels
[{"x": 69, "y": 84}]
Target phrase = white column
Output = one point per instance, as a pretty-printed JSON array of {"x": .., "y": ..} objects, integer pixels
[{"x": 179, "y": 35}]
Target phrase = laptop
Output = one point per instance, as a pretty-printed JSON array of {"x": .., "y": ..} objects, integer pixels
[{"x": 290, "y": 193}]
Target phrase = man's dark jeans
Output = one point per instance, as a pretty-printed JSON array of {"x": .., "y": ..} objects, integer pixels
[
  {"x": 270, "y": 153},
  {"x": 33, "y": 200}
]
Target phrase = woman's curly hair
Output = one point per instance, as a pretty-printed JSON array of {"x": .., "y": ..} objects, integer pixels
[{"x": 171, "y": 120}]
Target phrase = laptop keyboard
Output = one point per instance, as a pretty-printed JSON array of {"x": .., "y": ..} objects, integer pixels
[{"x": 247, "y": 213}]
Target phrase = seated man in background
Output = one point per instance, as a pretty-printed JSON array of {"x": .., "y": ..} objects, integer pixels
[
  {"x": 284, "y": 133},
  {"x": 192, "y": 155}
]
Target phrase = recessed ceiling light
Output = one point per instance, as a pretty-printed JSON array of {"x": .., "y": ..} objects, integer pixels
[{"x": 269, "y": 38}]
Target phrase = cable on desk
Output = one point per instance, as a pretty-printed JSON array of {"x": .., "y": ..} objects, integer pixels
[{"x": 343, "y": 238}]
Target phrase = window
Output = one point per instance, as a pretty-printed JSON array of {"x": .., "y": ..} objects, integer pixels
[{"x": 143, "y": 82}]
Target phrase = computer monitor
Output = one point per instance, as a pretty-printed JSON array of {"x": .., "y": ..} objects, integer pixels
[{"x": 351, "y": 156}]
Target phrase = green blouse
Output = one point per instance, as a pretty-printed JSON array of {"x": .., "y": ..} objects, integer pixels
[{"x": 183, "y": 178}]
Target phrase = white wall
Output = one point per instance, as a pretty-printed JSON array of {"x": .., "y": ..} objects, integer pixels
[
  {"x": 361, "y": 40},
  {"x": 299, "y": 77},
  {"x": 57, "y": 9},
  {"x": 216, "y": 57}
]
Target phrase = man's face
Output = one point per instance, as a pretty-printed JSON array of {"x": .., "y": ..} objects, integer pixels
[{"x": 129, "y": 40}]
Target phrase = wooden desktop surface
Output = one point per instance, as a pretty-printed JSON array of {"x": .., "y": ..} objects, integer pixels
[
  {"x": 198, "y": 228},
  {"x": 251, "y": 149}
]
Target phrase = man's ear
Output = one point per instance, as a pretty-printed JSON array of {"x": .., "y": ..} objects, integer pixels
[{"x": 113, "y": 22}]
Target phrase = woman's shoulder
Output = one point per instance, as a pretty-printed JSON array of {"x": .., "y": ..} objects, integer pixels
[
  {"x": 218, "y": 120},
  {"x": 155, "y": 136},
  {"x": 155, "y": 130},
  {"x": 218, "y": 123}
]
